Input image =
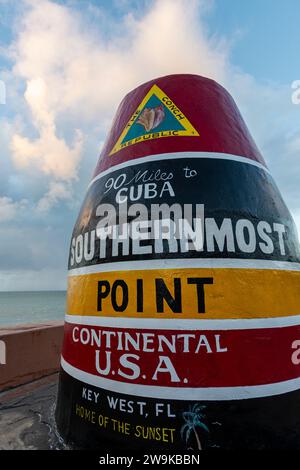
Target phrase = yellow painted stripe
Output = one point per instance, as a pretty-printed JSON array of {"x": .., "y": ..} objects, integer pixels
[{"x": 235, "y": 293}]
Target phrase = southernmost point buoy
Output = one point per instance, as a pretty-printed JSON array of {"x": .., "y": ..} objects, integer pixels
[{"x": 182, "y": 325}]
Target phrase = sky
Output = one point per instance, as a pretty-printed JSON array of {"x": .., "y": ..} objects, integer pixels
[{"x": 60, "y": 65}]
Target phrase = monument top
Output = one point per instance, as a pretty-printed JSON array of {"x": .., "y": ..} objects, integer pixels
[{"x": 177, "y": 113}]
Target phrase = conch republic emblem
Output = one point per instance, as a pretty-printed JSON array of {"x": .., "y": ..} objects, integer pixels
[{"x": 182, "y": 325}]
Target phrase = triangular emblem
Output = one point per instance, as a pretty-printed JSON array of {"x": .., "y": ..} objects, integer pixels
[{"x": 157, "y": 116}]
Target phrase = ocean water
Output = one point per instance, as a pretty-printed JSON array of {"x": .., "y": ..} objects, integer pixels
[{"x": 31, "y": 307}]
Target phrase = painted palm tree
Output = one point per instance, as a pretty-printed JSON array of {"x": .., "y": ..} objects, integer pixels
[{"x": 193, "y": 422}]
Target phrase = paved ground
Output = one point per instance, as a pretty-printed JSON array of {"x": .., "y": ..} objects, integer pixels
[{"x": 27, "y": 416}]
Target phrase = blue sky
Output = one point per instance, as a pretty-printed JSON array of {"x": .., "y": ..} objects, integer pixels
[
  {"x": 265, "y": 33},
  {"x": 267, "y": 36},
  {"x": 61, "y": 62}
]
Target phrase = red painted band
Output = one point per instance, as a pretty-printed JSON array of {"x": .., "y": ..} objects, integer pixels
[
  {"x": 224, "y": 358},
  {"x": 208, "y": 107}
]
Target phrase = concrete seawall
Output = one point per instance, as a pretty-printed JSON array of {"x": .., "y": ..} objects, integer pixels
[{"x": 29, "y": 352}]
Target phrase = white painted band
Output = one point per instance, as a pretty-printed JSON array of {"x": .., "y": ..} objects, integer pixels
[
  {"x": 185, "y": 324},
  {"x": 205, "y": 263},
  {"x": 178, "y": 155},
  {"x": 182, "y": 393}
]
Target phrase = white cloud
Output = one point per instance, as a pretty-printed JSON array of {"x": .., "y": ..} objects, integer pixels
[
  {"x": 57, "y": 192},
  {"x": 75, "y": 74},
  {"x": 50, "y": 154},
  {"x": 9, "y": 210},
  {"x": 89, "y": 74},
  {"x": 81, "y": 76}
]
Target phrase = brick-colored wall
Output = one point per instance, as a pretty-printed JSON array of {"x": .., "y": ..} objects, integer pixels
[{"x": 31, "y": 351}]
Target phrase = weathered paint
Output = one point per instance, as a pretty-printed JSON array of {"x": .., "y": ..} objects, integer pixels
[{"x": 176, "y": 344}]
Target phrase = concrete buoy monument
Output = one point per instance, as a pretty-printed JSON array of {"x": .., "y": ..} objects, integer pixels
[{"x": 182, "y": 325}]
